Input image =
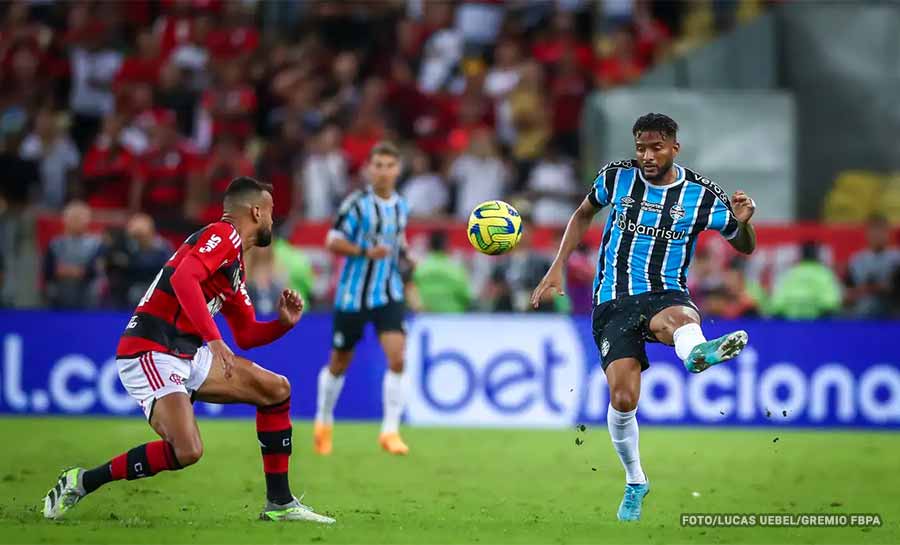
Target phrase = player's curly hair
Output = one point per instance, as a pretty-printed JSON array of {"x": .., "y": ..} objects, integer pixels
[{"x": 653, "y": 122}]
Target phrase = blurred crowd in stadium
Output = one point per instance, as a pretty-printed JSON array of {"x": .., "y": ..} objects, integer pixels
[{"x": 140, "y": 112}]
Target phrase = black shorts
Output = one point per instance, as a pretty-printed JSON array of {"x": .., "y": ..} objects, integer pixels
[
  {"x": 622, "y": 326},
  {"x": 349, "y": 326}
]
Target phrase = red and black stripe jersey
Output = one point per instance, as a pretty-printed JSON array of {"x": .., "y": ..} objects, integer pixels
[{"x": 159, "y": 323}]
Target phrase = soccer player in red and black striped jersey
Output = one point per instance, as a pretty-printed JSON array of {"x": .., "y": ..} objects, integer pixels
[{"x": 164, "y": 363}]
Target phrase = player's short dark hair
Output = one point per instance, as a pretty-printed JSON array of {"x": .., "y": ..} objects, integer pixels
[
  {"x": 385, "y": 148},
  {"x": 652, "y": 122},
  {"x": 243, "y": 186}
]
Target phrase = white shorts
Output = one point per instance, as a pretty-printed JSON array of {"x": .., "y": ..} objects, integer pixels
[{"x": 154, "y": 375}]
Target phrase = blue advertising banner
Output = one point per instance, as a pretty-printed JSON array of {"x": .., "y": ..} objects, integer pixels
[{"x": 495, "y": 370}]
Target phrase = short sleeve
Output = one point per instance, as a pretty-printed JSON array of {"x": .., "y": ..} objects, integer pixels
[
  {"x": 348, "y": 219},
  {"x": 218, "y": 245},
  {"x": 602, "y": 188},
  {"x": 723, "y": 220}
]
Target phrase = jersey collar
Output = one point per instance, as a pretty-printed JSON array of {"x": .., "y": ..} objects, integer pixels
[
  {"x": 387, "y": 202},
  {"x": 678, "y": 179}
]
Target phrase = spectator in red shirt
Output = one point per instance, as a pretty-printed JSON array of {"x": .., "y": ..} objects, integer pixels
[
  {"x": 550, "y": 47},
  {"x": 107, "y": 170},
  {"x": 236, "y": 37},
  {"x": 230, "y": 105},
  {"x": 622, "y": 65},
  {"x": 164, "y": 173},
  {"x": 279, "y": 160},
  {"x": 143, "y": 66},
  {"x": 226, "y": 162},
  {"x": 567, "y": 92}
]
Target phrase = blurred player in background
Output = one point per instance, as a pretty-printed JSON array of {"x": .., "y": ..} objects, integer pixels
[
  {"x": 640, "y": 291},
  {"x": 369, "y": 231},
  {"x": 165, "y": 366}
]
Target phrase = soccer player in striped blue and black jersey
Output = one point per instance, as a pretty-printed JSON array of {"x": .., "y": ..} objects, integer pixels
[
  {"x": 657, "y": 210},
  {"x": 369, "y": 232}
]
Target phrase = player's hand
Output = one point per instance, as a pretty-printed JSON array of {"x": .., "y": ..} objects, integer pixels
[
  {"x": 378, "y": 252},
  {"x": 743, "y": 206},
  {"x": 552, "y": 282},
  {"x": 222, "y": 355},
  {"x": 290, "y": 307}
]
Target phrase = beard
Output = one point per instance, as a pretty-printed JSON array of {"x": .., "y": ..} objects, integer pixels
[
  {"x": 264, "y": 237},
  {"x": 661, "y": 172}
]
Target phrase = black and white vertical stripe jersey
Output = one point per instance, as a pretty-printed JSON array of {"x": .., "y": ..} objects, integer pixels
[
  {"x": 368, "y": 220},
  {"x": 649, "y": 237}
]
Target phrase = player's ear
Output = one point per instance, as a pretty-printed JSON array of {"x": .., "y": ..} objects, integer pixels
[{"x": 676, "y": 147}]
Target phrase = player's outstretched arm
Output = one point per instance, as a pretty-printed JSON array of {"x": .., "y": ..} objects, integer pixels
[
  {"x": 250, "y": 333},
  {"x": 743, "y": 208},
  {"x": 578, "y": 225},
  {"x": 340, "y": 245}
]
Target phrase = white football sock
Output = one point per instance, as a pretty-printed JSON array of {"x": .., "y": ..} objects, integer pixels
[
  {"x": 686, "y": 338},
  {"x": 329, "y": 390},
  {"x": 623, "y": 430},
  {"x": 394, "y": 399}
]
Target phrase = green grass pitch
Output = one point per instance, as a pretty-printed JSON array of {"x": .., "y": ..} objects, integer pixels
[{"x": 457, "y": 486}]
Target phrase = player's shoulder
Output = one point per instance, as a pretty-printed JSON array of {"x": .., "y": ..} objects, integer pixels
[
  {"x": 622, "y": 164},
  {"x": 692, "y": 176},
  {"x": 351, "y": 200},
  {"x": 216, "y": 233}
]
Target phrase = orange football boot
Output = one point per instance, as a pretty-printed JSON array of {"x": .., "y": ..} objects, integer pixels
[
  {"x": 322, "y": 438},
  {"x": 392, "y": 443}
]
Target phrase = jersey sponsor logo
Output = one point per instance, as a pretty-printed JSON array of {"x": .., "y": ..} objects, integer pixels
[
  {"x": 624, "y": 163},
  {"x": 712, "y": 186},
  {"x": 210, "y": 244},
  {"x": 677, "y": 212},
  {"x": 246, "y": 295},
  {"x": 630, "y": 226},
  {"x": 656, "y": 208},
  {"x": 626, "y": 202}
]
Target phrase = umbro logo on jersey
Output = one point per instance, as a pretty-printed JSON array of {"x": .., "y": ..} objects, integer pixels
[
  {"x": 211, "y": 244},
  {"x": 626, "y": 202}
]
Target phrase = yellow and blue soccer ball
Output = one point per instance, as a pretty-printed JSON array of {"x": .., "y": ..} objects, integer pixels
[{"x": 495, "y": 227}]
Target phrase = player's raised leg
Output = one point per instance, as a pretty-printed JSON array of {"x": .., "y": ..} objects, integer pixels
[
  {"x": 393, "y": 392},
  {"x": 330, "y": 384},
  {"x": 680, "y": 326},
  {"x": 624, "y": 378},
  {"x": 270, "y": 393},
  {"x": 172, "y": 417}
]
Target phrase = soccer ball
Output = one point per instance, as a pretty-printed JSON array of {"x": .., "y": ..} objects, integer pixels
[{"x": 495, "y": 227}]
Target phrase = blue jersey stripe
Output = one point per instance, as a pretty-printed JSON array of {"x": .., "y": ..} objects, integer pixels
[
  {"x": 624, "y": 186},
  {"x": 678, "y": 255}
]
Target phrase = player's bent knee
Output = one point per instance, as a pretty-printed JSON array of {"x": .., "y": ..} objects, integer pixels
[
  {"x": 623, "y": 400},
  {"x": 281, "y": 389}
]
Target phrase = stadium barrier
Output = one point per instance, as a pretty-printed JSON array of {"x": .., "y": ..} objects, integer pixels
[{"x": 496, "y": 370}]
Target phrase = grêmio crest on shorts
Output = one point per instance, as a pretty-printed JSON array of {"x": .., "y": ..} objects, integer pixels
[{"x": 649, "y": 237}]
